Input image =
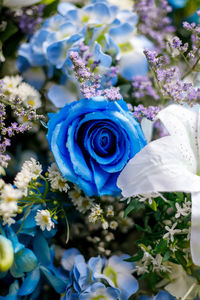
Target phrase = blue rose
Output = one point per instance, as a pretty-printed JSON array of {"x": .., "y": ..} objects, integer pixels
[{"x": 92, "y": 140}]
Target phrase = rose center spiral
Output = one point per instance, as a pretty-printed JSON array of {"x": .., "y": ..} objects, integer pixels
[{"x": 103, "y": 141}]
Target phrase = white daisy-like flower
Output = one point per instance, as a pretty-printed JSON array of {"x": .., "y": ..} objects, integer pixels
[
  {"x": 110, "y": 211},
  {"x": 43, "y": 219},
  {"x": 29, "y": 95},
  {"x": 57, "y": 181},
  {"x": 113, "y": 225},
  {"x": 10, "y": 194},
  {"x": 10, "y": 83},
  {"x": 95, "y": 214},
  {"x": 8, "y": 203},
  {"x": 31, "y": 169}
]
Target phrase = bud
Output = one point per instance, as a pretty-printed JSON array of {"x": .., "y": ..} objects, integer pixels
[{"x": 6, "y": 254}]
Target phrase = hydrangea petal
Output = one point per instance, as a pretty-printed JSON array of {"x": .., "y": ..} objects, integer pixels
[{"x": 30, "y": 283}]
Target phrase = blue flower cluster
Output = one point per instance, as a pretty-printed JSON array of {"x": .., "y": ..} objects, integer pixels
[
  {"x": 109, "y": 32},
  {"x": 85, "y": 279},
  {"x": 33, "y": 259}
]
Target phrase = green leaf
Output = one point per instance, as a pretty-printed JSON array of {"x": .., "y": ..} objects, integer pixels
[
  {"x": 47, "y": 2},
  {"x": 50, "y": 8},
  {"x": 167, "y": 256},
  {"x": 10, "y": 30},
  {"x": 180, "y": 258},
  {"x": 133, "y": 205},
  {"x": 153, "y": 205},
  {"x": 161, "y": 247},
  {"x": 191, "y": 7},
  {"x": 136, "y": 257}
]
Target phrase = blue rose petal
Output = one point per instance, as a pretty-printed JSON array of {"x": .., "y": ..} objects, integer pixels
[{"x": 92, "y": 140}]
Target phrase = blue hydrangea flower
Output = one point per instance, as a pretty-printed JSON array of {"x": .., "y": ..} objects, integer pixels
[
  {"x": 92, "y": 140},
  {"x": 99, "y": 291},
  {"x": 108, "y": 31},
  {"x": 110, "y": 279},
  {"x": 117, "y": 272}
]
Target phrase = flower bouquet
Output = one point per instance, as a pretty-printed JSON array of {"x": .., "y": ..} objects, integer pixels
[{"x": 100, "y": 150}]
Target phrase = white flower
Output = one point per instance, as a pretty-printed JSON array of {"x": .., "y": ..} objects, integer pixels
[
  {"x": 19, "y": 3},
  {"x": 113, "y": 225},
  {"x": 141, "y": 270},
  {"x": 29, "y": 95},
  {"x": 171, "y": 232},
  {"x": 169, "y": 164},
  {"x": 58, "y": 182},
  {"x": 110, "y": 211},
  {"x": 105, "y": 225},
  {"x": 10, "y": 83},
  {"x": 95, "y": 214},
  {"x": 31, "y": 169},
  {"x": 43, "y": 219},
  {"x": 158, "y": 266},
  {"x": 184, "y": 210},
  {"x": 8, "y": 203},
  {"x": 149, "y": 197}
]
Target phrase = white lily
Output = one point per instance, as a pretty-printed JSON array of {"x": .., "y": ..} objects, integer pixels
[
  {"x": 19, "y": 3},
  {"x": 170, "y": 164}
]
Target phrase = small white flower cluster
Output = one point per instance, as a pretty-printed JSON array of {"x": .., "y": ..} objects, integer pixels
[
  {"x": 150, "y": 197},
  {"x": 8, "y": 203},
  {"x": 43, "y": 219},
  {"x": 31, "y": 169},
  {"x": 82, "y": 203},
  {"x": 155, "y": 262},
  {"x": 183, "y": 210},
  {"x": 12, "y": 87},
  {"x": 96, "y": 213},
  {"x": 57, "y": 181}
]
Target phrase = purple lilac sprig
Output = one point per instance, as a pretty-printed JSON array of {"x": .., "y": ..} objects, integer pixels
[
  {"x": 90, "y": 83},
  {"x": 9, "y": 130},
  {"x": 150, "y": 112},
  {"x": 143, "y": 86},
  {"x": 28, "y": 19},
  {"x": 173, "y": 82},
  {"x": 154, "y": 20}
]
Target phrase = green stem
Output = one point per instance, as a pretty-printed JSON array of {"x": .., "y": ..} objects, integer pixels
[
  {"x": 46, "y": 186},
  {"x": 67, "y": 223},
  {"x": 194, "y": 273},
  {"x": 193, "y": 67}
]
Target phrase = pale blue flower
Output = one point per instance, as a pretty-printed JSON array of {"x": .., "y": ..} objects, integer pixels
[
  {"x": 108, "y": 31},
  {"x": 117, "y": 272}
]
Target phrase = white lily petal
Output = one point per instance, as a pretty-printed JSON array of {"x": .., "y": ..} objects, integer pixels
[
  {"x": 164, "y": 165},
  {"x": 147, "y": 128},
  {"x": 195, "y": 229},
  {"x": 183, "y": 122}
]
